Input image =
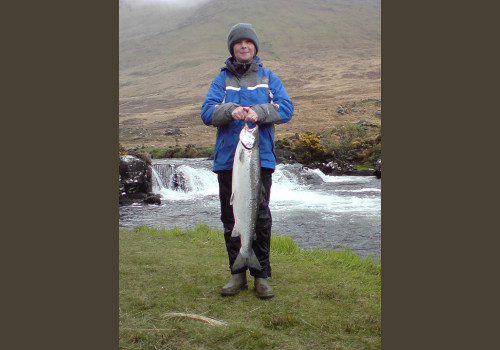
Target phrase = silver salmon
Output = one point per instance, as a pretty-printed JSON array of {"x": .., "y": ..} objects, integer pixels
[{"x": 245, "y": 197}]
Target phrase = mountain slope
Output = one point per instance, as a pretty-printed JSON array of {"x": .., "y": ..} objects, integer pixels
[{"x": 325, "y": 52}]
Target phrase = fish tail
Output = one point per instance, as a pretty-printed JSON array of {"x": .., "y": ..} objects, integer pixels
[{"x": 250, "y": 261}]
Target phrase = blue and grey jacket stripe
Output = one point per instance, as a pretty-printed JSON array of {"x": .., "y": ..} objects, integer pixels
[{"x": 258, "y": 88}]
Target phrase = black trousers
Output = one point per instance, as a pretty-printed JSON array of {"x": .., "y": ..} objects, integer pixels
[{"x": 262, "y": 245}]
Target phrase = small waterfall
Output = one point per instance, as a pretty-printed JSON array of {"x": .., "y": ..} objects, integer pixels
[
  {"x": 195, "y": 178},
  {"x": 184, "y": 178},
  {"x": 157, "y": 182},
  {"x": 181, "y": 181}
]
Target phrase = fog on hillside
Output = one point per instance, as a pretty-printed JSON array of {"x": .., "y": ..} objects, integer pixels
[{"x": 180, "y": 3}]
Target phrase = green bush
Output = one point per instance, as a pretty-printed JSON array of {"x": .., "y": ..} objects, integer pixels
[
  {"x": 312, "y": 142},
  {"x": 347, "y": 132},
  {"x": 376, "y": 154},
  {"x": 343, "y": 153},
  {"x": 121, "y": 150},
  {"x": 308, "y": 148}
]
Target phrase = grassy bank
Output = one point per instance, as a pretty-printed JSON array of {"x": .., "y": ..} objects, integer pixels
[{"x": 169, "y": 296}]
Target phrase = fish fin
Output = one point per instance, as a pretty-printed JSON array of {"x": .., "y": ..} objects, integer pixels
[
  {"x": 238, "y": 263},
  {"x": 235, "y": 233},
  {"x": 232, "y": 198},
  {"x": 250, "y": 261},
  {"x": 253, "y": 262}
]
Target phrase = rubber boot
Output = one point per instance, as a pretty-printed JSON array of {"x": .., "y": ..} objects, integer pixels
[
  {"x": 263, "y": 289},
  {"x": 236, "y": 283}
]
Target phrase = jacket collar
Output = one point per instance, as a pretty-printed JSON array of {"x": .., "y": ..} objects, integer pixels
[{"x": 237, "y": 69}]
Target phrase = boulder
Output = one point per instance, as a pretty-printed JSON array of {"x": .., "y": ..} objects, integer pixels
[
  {"x": 285, "y": 156},
  {"x": 365, "y": 124},
  {"x": 135, "y": 180},
  {"x": 173, "y": 132},
  {"x": 378, "y": 169},
  {"x": 153, "y": 199}
]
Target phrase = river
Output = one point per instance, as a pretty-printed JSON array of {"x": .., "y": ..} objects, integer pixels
[{"x": 316, "y": 210}]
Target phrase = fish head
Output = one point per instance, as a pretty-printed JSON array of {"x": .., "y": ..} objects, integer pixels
[{"x": 249, "y": 137}]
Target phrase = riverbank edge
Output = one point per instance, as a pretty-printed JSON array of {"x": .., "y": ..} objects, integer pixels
[{"x": 281, "y": 244}]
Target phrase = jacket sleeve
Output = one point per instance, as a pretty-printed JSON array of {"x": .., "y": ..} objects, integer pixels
[
  {"x": 280, "y": 109},
  {"x": 214, "y": 111}
]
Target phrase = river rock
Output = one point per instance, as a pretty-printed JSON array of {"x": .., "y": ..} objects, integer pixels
[
  {"x": 310, "y": 177},
  {"x": 285, "y": 156},
  {"x": 365, "y": 124},
  {"x": 136, "y": 181},
  {"x": 153, "y": 199},
  {"x": 173, "y": 131},
  {"x": 333, "y": 168},
  {"x": 378, "y": 169}
]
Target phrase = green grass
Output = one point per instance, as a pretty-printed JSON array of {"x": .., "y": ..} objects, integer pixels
[{"x": 323, "y": 300}]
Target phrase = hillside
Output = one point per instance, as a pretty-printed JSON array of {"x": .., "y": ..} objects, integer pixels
[{"x": 327, "y": 53}]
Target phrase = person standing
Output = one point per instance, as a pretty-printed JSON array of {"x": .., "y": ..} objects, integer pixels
[{"x": 245, "y": 92}]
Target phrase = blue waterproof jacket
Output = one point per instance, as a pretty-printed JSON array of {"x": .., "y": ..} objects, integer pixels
[{"x": 255, "y": 87}]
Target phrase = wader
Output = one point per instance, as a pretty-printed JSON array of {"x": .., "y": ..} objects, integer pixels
[{"x": 262, "y": 245}]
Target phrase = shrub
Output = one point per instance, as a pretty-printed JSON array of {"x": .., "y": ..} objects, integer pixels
[
  {"x": 349, "y": 131},
  {"x": 283, "y": 144},
  {"x": 121, "y": 150},
  {"x": 344, "y": 154},
  {"x": 309, "y": 148},
  {"x": 376, "y": 154},
  {"x": 312, "y": 142}
]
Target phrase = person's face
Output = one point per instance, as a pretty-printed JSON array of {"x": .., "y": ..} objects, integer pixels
[{"x": 244, "y": 50}]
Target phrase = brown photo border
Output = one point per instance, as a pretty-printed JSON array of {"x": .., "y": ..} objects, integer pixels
[{"x": 61, "y": 139}]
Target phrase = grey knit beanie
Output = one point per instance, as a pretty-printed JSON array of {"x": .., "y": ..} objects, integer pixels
[{"x": 242, "y": 31}]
